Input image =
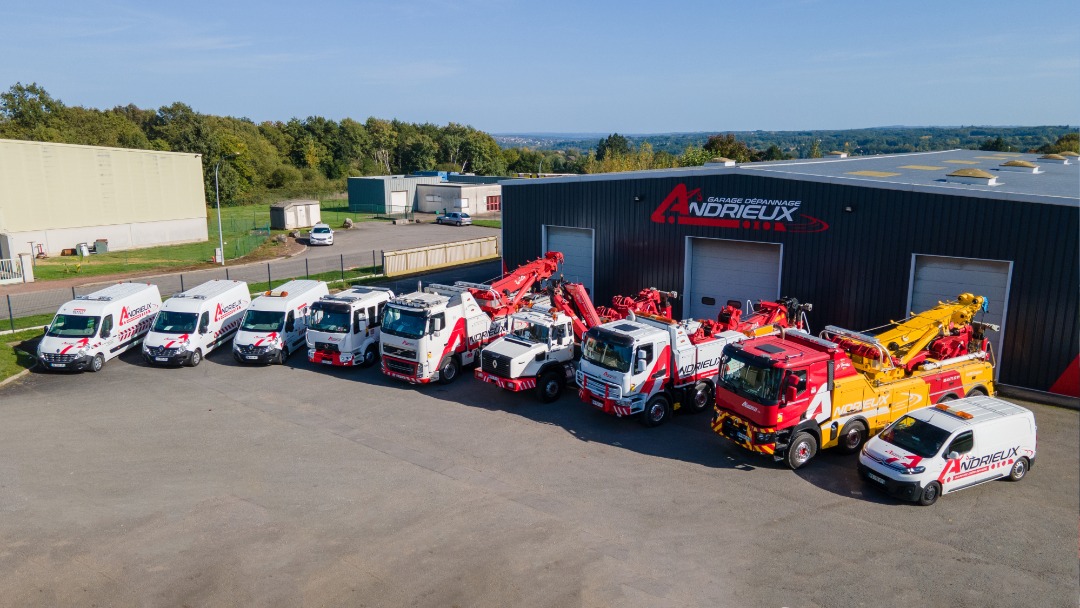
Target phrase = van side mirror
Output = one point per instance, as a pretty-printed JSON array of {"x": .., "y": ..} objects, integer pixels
[
  {"x": 105, "y": 333},
  {"x": 290, "y": 326},
  {"x": 952, "y": 455},
  {"x": 203, "y": 329},
  {"x": 639, "y": 366}
]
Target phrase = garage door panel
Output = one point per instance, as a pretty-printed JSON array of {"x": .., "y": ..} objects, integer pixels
[
  {"x": 576, "y": 245},
  {"x": 730, "y": 270}
]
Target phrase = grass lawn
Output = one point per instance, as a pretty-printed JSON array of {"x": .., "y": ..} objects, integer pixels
[
  {"x": 488, "y": 223},
  {"x": 17, "y": 352},
  {"x": 24, "y": 322}
]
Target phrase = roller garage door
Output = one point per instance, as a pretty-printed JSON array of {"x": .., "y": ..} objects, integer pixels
[
  {"x": 720, "y": 270},
  {"x": 940, "y": 279},
  {"x": 576, "y": 245}
]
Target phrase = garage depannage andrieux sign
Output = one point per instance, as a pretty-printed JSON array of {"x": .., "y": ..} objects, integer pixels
[{"x": 692, "y": 208}]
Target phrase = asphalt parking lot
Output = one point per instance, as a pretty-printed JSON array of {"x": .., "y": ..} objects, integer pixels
[{"x": 223, "y": 485}]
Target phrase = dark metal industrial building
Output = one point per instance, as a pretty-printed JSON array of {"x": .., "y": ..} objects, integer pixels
[{"x": 864, "y": 239}]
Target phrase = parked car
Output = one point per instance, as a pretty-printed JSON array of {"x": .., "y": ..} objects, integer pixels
[
  {"x": 454, "y": 217},
  {"x": 321, "y": 234}
]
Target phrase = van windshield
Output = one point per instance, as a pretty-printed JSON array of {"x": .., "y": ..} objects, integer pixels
[
  {"x": 915, "y": 436},
  {"x": 403, "y": 323},
  {"x": 262, "y": 320},
  {"x": 73, "y": 326},
  {"x": 168, "y": 322},
  {"x": 330, "y": 318}
]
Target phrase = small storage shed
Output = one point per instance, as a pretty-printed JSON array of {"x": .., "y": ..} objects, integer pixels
[{"x": 295, "y": 213}]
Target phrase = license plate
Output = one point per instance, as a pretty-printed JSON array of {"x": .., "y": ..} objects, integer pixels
[
  {"x": 327, "y": 362},
  {"x": 598, "y": 403},
  {"x": 59, "y": 364},
  {"x": 743, "y": 436},
  {"x": 161, "y": 358},
  {"x": 251, "y": 357},
  {"x": 875, "y": 478}
]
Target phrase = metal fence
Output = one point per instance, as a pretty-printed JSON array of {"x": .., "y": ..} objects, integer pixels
[
  {"x": 10, "y": 271},
  {"x": 432, "y": 257}
]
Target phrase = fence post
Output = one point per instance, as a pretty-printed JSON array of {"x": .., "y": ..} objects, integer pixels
[
  {"x": 307, "y": 275},
  {"x": 343, "y": 270},
  {"x": 72, "y": 292},
  {"x": 11, "y": 314},
  {"x": 269, "y": 283},
  {"x": 181, "y": 281},
  {"x": 382, "y": 260},
  {"x": 226, "y": 274},
  {"x": 373, "y": 261}
]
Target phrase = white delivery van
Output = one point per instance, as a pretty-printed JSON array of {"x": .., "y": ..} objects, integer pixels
[
  {"x": 89, "y": 330},
  {"x": 194, "y": 322},
  {"x": 275, "y": 323},
  {"x": 343, "y": 329},
  {"x": 949, "y": 447}
]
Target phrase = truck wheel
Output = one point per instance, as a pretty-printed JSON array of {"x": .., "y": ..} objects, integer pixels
[
  {"x": 448, "y": 371},
  {"x": 930, "y": 494},
  {"x": 852, "y": 437},
  {"x": 549, "y": 386},
  {"x": 976, "y": 392},
  {"x": 195, "y": 359},
  {"x": 802, "y": 448},
  {"x": 1019, "y": 469},
  {"x": 657, "y": 411},
  {"x": 701, "y": 398},
  {"x": 370, "y": 356},
  {"x": 947, "y": 398},
  {"x": 97, "y": 362}
]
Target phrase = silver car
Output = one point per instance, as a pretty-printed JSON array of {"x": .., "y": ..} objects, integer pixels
[{"x": 454, "y": 217}]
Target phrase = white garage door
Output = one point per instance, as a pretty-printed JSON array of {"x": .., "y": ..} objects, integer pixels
[
  {"x": 399, "y": 201},
  {"x": 576, "y": 245},
  {"x": 722, "y": 270},
  {"x": 940, "y": 279}
]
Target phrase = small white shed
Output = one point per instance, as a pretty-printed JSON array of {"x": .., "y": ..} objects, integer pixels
[{"x": 295, "y": 213}]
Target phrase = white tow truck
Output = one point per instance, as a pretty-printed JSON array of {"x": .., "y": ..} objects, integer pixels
[{"x": 343, "y": 328}]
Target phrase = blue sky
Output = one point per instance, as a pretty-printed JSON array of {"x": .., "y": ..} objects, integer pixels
[{"x": 597, "y": 67}]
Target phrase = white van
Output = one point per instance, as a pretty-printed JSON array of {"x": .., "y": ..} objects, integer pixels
[
  {"x": 949, "y": 447},
  {"x": 194, "y": 322},
  {"x": 275, "y": 323},
  {"x": 343, "y": 329},
  {"x": 89, "y": 330}
]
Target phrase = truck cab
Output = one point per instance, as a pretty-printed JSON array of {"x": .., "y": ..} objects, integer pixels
[
  {"x": 343, "y": 329},
  {"x": 536, "y": 353}
]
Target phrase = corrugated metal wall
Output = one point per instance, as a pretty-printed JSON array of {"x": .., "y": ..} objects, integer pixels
[{"x": 856, "y": 273}]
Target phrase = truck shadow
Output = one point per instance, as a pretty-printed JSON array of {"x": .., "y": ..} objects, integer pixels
[{"x": 838, "y": 473}]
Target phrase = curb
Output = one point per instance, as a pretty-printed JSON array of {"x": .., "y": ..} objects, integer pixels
[{"x": 11, "y": 379}]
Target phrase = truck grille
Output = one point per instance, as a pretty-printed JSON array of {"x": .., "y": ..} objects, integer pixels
[
  {"x": 395, "y": 351},
  {"x": 58, "y": 358},
  {"x": 400, "y": 367},
  {"x": 250, "y": 349},
  {"x": 597, "y": 386},
  {"x": 326, "y": 347},
  {"x": 495, "y": 364},
  {"x": 161, "y": 351}
]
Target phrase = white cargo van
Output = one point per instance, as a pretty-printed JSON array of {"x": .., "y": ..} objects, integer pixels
[
  {"x": 949, "y": 447},
  {"x": 89, "y": 330},
  {"x": 275, "y": 323},
  {"x": 194, "y": 322},
  {"x": 343, "y": 329}
]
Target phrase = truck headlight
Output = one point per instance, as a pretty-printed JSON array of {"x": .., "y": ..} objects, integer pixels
[
  {"x": 346, "y": 357},
  {"x": 912, "y": 470},
  {"x": 764, "y": 437}
]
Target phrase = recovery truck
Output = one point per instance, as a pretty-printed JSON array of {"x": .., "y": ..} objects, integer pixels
[
  {"x": 789, "y": 395},
  {"x": 540, "y": 349},
  {"x": 343, "y": 328},
  {"x": 432, "y": 333}
]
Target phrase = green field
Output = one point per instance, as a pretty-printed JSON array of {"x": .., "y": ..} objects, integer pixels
[
  {"x": 14, "y": 356},
  {"x": 488, "y": 223}
]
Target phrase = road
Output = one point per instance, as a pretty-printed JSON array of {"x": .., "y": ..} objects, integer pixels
[{"x": 299, "y": 486}]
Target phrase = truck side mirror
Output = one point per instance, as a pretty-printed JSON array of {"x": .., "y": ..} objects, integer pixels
[
  {"x": 639, "y": 366},
  {"x": 791, "y": 391},
  {"x": 436, "y": 324}
]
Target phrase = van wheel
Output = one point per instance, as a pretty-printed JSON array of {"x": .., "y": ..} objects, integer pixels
[
  {"x": 549, "y": 386},
  {"x": 283, "y": 355},
  {"x": 195, "y": 359},
  {"x": 701, "y": 398},
  {"x": 97, "y": 362},
  {"x": 802, "y": 448},
  {"x": 448, "y": 371},
  {"x": 930, "y": 494},
  {"x": 1019, "y": 469},
  {"x": 852, "y": 437},
  {"x": 657, "y": 411},
  {"x": 370, "y": 356}
]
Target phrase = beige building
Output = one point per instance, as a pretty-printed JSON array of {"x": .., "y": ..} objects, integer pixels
[
  {"x": 60, "y": 195},
  {"x": 474, "y": 199}
]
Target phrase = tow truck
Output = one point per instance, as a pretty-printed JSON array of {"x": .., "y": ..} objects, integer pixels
[
  {"x": 430, "y": 334},
  {"x": 790, "y": 395}
]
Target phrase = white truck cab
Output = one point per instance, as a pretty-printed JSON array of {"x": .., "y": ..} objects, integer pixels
[
  {"x": 89, "y": 330},
  {"x": 343, "y": 329},
  {"x": 274, "y": 325},
  {"x": 194, "y": 322},
  {"x": 949, "y": 447},
  {"x": 537, "y": 353}
]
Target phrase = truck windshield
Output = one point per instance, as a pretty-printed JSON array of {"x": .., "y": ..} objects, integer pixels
[
  {"x": 404, "y": 323},
  {"x": 915, "y": 436},
  {"x": 168, "y": 322},
  {"x": 73, "y": 326},
  {"x": 750, "y": 380},
  {"x": 262, "y": 320},
  {"x": 328, "y": 318},
  {"x": 607, "y": 354},
  {"x": 529, "y": 332}
]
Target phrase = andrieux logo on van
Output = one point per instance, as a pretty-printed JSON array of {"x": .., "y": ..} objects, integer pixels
[
  {"x": 220, "y": 312},
  {"x": 693, "y": 208},
  {"x": 127, "y": 316}
]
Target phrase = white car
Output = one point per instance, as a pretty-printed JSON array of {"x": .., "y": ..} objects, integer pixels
[
  {"x": 949, "y": 447},
  {"x": 321, "y": 234}
]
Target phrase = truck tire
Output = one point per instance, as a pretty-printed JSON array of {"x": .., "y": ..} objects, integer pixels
[
  {"x": 448, "y": 371},
  {"x": 1019, "y": 469},
  {"x": 852, "y": 437},
  {"x": 930, "y": 494},
  {"x": 700, "y": 398},
  {"x": 195, "y": 358},
  {"x": 97, "y": 363},
  {"x": 802, "y": 448},
  {"x": 371, "y": 355},
  {"x": 657, "y": 411},
  {"x": 549, "y": 386},
  {"x": 977, "y": 392}
]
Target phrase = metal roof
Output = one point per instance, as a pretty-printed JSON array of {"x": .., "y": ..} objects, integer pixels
[
  {"x": 1056, "y": 184},
  {"x": 292, "y": 203}
]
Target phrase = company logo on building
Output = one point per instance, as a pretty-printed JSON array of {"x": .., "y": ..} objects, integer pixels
[{"x": 692, "y": 208}]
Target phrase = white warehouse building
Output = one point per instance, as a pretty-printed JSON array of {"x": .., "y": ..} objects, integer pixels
[{"x": 59, "y": 195}]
